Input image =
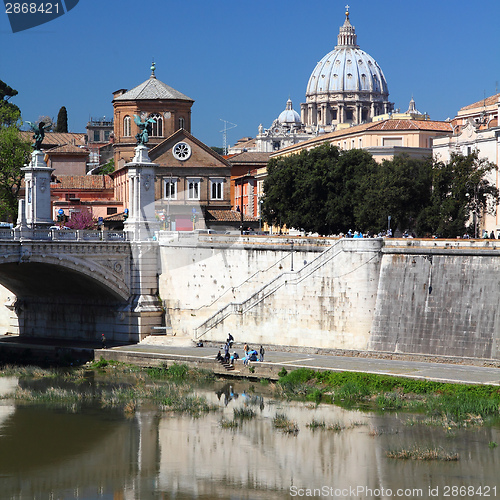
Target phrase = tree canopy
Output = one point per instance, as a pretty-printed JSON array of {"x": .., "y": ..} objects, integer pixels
[
  {"x": 62, "y": 120},
  {"x": 9, "y": 113},
  {"x": 14, "y": 154},
  {"x": 329, "y": 191},
  {"x": 316, "y": 190}
]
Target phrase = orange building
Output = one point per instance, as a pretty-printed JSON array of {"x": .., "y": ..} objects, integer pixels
[{"x": 170, "y": 109}]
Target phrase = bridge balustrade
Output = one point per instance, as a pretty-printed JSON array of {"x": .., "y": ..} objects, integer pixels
[
  {"x": 61, "y": 235},
  {"x": 6, "y": 234}
]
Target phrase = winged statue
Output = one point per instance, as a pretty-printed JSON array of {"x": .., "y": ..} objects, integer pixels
[
  {"x": 38, "y": 133},
  {"x": 144, "y": 129}
]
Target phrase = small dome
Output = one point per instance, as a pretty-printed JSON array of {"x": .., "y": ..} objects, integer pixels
[{"x": 289, "y": 116}]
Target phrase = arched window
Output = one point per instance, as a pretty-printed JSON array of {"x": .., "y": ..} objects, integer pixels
[
  {"x": 157, "y": 126},
  {"x": 216, "y": 189},
  {"x": 126, "y": 126},
  {"x": 181, "y": 122}
]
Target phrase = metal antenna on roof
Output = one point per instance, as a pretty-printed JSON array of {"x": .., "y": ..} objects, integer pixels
[{"x": 224, "y": 133}]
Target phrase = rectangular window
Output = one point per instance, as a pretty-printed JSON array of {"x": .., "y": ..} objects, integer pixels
[
  {"x": 193, "y": 189},
  {"x": 169, "y": 188},
  {"x": 111, "y": 210},
  {"x": 96, "y": 136},
  {"x": 107, "y": 133},
  {"x": 216, "y": 189},
  {"x": 392, "y": 141}
]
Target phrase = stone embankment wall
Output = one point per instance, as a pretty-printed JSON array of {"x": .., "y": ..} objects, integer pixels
[
  {"x": 439, "y": 297},
  {"x": 432, "y": 297}
]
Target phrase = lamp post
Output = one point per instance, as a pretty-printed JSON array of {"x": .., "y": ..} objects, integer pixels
[
  {"x": 241, "y": 206},
  {"x": 260, "y": 215}
]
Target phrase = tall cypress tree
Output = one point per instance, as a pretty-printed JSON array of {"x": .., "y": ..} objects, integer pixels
[{"x": 62, "y": 120}]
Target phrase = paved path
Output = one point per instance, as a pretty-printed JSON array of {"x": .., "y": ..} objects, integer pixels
[{"x": 413, "y": 369}]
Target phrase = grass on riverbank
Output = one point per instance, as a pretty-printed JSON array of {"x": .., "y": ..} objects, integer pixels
[
  {"x": 451, "y": 402},
  {"x": 169, "y": 388}
]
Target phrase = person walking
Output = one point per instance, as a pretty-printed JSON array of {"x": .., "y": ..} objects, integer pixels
[
  {"x": 103, "y": 341},
  {"x": 261, "y": 353}
]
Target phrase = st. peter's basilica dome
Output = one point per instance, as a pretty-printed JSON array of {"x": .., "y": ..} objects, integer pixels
[{"x": 346, "y": 86}]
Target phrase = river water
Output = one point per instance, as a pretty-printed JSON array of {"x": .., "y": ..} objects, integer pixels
[{"x": 94, "y": 453}]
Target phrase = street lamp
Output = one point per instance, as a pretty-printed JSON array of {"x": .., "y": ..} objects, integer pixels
[{"x": 260, "y": 215}]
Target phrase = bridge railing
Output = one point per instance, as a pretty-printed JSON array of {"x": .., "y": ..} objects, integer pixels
[
  {"x": 62, "y": 235},
  {"x": 6, "y": 234}
]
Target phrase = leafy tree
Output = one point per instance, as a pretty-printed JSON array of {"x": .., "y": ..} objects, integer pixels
[
  {"x": 399, "y": 188},
  {"x": 107, "y": 168},
  {"x": 329, "y": 191},
  {"x": 14, "y": 154},
  {"x": 461, "y": 193},
  {"x": 82, "y": 220},
  {"x": 316, "y": 190},
  {"x": 10, "y": 114},
  {"x": 218, "y": 150},
  {"x": 62, "y": 120}
]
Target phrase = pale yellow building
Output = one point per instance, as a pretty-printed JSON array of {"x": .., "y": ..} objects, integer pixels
[{"x": 383, "y": 139}]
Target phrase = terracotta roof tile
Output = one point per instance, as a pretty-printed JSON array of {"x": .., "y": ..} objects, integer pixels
[
  {"x": 53, "y": 139},
  {"x": 68, "y": 148},
  {"x": 249, "y": 157},
  {"x": 227, "y": 216},
  {"x": 489, "y": 101},
  {"x": 82, "y": 182}
]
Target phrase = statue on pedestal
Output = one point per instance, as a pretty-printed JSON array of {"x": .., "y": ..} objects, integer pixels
[
  {"x": 144, "y": 129},
  {"x": 39, "y": 133}
]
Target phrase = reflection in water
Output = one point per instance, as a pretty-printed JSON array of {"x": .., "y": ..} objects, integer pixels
[{"x": 99, "y": 453}]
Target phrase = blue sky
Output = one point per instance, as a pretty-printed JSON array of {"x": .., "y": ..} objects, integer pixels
[{"x": 240, "y": 61}]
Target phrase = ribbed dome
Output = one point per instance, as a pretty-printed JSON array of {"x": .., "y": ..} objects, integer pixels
[
  {"x": 289, "y": 115},
  {"x": 347, "y": 68}
]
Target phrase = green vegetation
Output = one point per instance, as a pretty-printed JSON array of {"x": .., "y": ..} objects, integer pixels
[
  {"x": 281, "y": 421},
  {"x": 14, "y": 154},
  {"x": 243, "y": 413},
  {"x": 228, "y": 424},
  {"x": 167, "y": 388},
  {"x": 62, "y": 120},
  {"x": 450, "y": 403},
  {"x": 327, "y": 190},
  {"x": 423, "y": 454}
]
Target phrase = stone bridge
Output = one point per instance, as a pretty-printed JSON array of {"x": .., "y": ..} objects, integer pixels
[{"x": 80, "y": 284}]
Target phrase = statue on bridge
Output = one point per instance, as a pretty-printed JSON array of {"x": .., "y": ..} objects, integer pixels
[
  {"x": 39, "y": 133},
  {"x": 144, "y": 129}
]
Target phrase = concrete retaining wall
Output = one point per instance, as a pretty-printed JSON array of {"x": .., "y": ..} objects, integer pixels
[{"x": 431, "y": 297}]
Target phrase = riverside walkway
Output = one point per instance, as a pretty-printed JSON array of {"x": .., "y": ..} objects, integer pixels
[{"x": 159, "y": 351}]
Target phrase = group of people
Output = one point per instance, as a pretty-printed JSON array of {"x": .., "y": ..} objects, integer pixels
[{"x": 249, "y": 354}]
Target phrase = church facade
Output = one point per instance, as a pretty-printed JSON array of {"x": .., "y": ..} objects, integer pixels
[{"x": 192, "y": 182}]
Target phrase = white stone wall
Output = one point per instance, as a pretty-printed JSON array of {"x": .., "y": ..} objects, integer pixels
[
  {"x": 331, "y": 305},
  {"x": 8, "y": 319}
]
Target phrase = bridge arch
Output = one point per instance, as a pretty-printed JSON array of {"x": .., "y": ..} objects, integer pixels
[{"x": 74, "y": 290}]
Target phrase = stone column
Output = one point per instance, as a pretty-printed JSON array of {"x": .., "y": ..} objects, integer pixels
[
  {"x": 144, "y": 309},
  {"x": 37, "y": 186},
  {"x": 141, "y": 224}
]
